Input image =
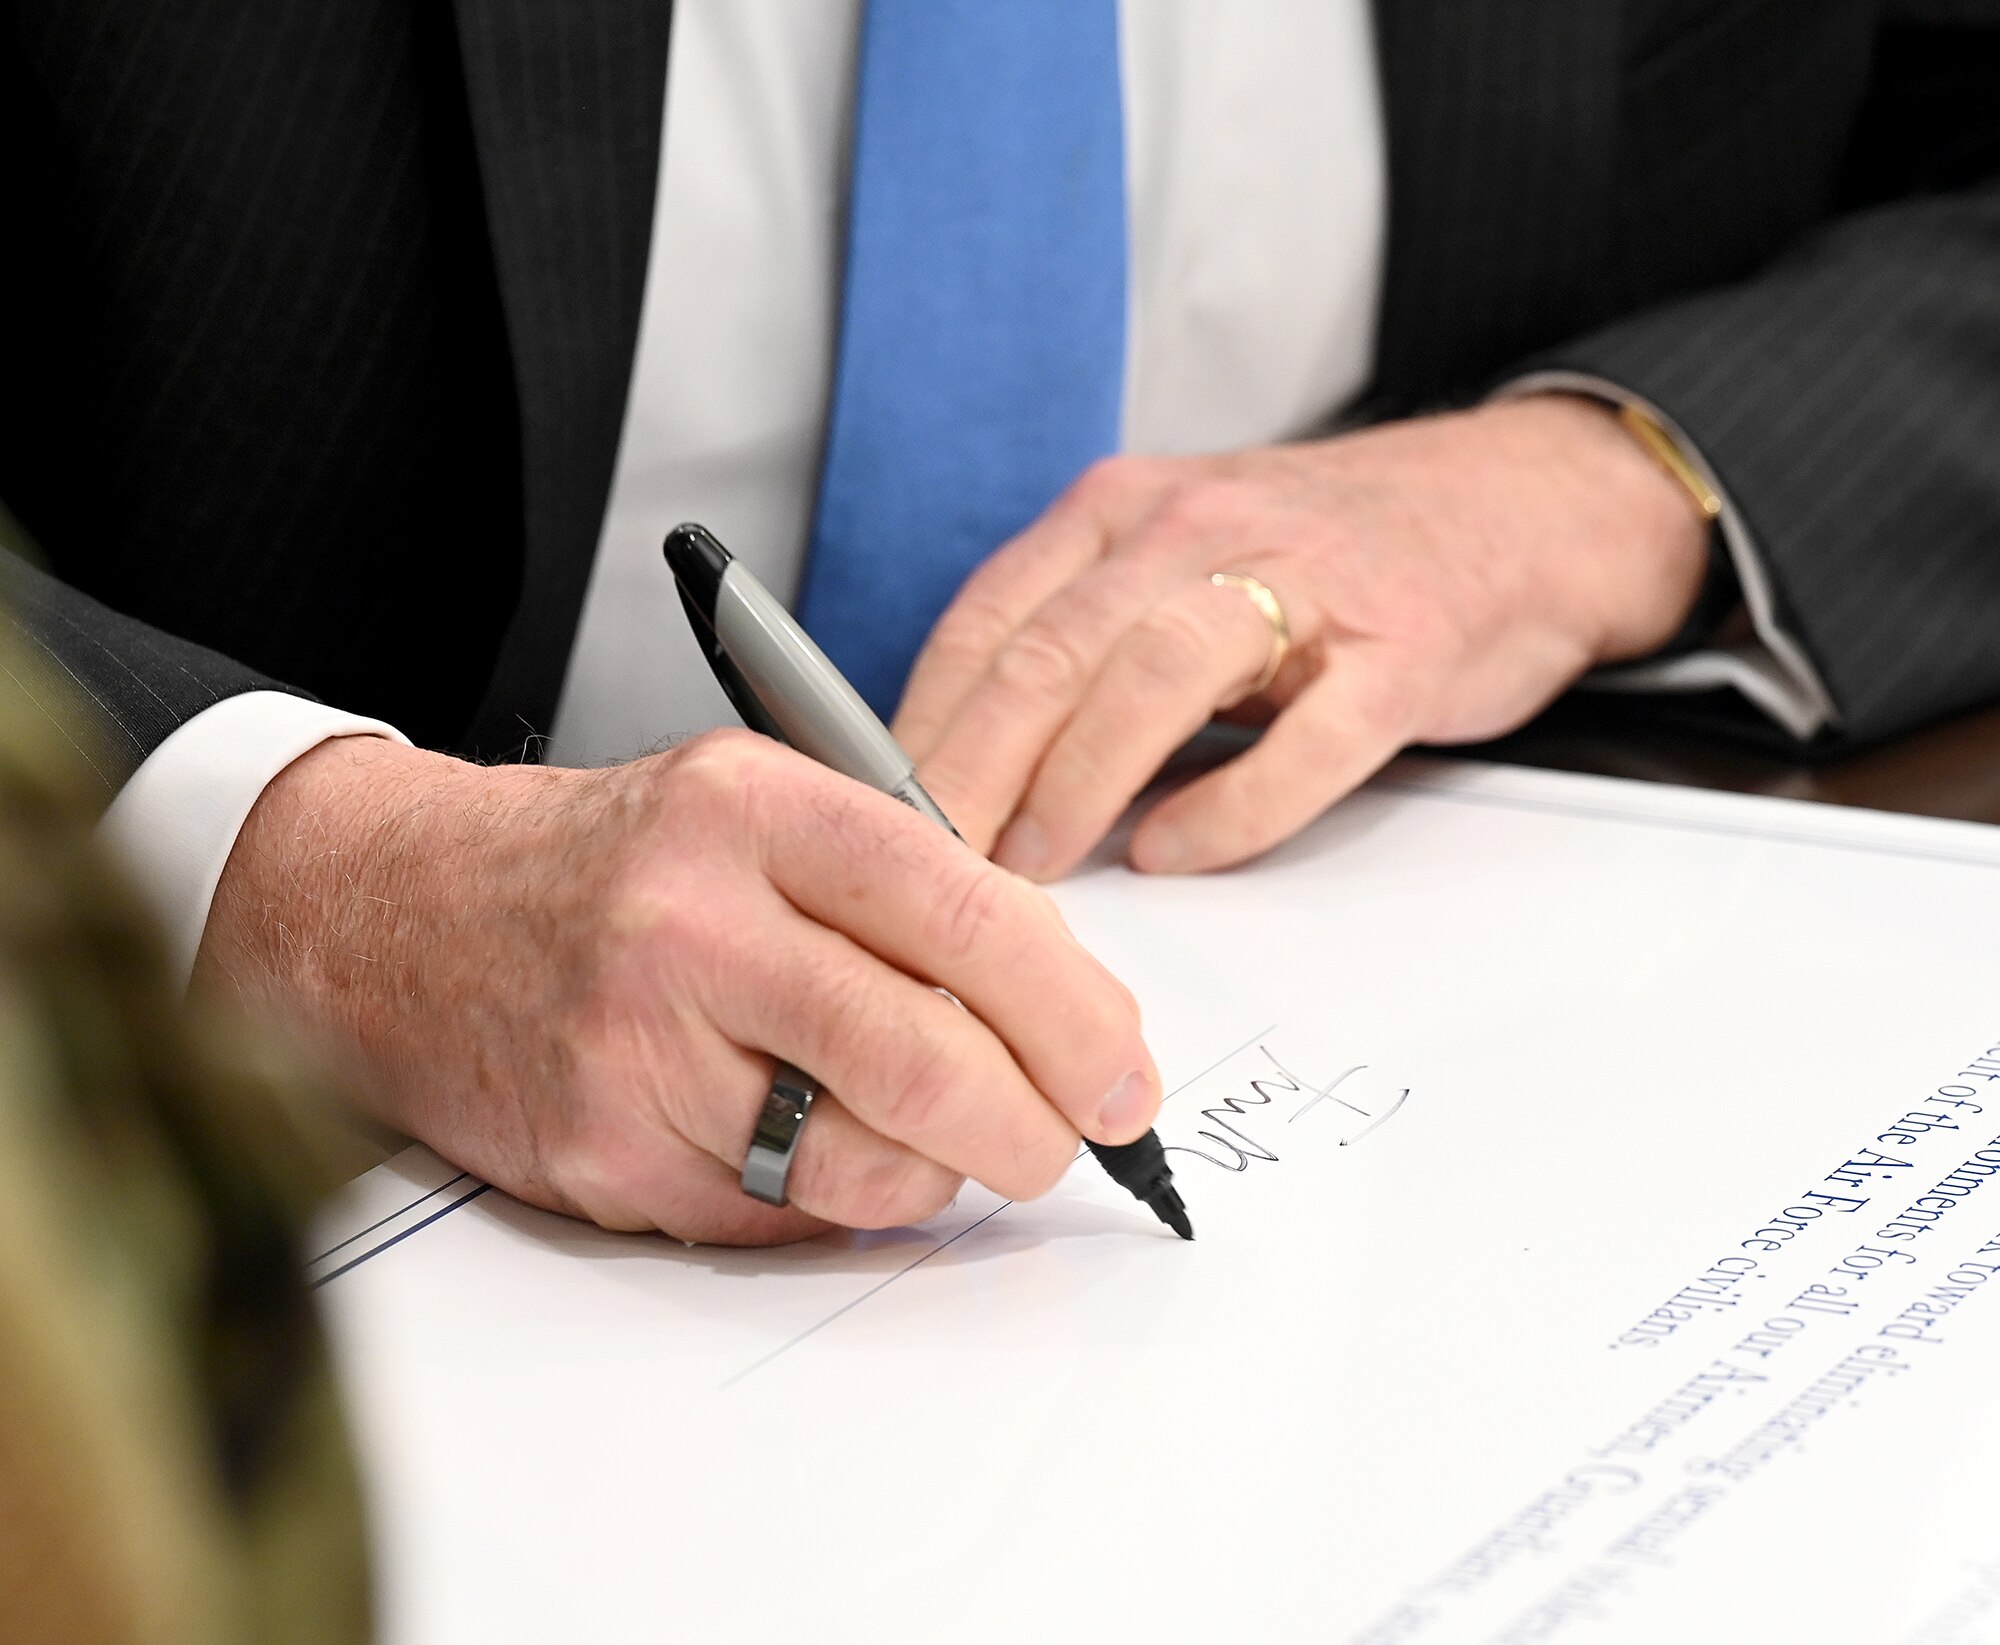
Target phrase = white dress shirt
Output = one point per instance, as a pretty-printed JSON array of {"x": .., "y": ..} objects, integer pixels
[{"x": 1256, "y": 197}]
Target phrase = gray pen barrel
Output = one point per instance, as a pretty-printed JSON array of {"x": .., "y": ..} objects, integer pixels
[{"x": 818, "y": 712}]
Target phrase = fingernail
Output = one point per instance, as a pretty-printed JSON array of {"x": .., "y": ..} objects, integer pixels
[
  {"x": 1128, "y": 1107},
  {"x": 1024, "y": 848}
]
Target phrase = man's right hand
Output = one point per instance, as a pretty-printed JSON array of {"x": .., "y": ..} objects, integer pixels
[{"x": 574, "y": 983}]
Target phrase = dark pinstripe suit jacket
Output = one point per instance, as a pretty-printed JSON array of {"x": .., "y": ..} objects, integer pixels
[{"x": 319, "y": 319}]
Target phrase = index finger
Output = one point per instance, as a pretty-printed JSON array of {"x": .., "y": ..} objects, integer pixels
[
  {"x": 924, "y": 902},
  {"x": 1074, "y": 532},
  {"x": 983, "y": 615}
]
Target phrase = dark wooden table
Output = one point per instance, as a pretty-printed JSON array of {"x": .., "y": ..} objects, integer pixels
[{"x": 1947, "y": 770}]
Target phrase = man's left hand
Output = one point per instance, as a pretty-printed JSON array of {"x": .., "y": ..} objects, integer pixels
[{"x": 1443, "y": 579}]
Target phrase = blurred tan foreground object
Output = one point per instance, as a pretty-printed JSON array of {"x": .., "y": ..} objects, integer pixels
[{"x": 173, "y": 1466}]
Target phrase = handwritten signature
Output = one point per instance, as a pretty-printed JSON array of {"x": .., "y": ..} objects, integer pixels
[{"x": 1265, "y": 1090}]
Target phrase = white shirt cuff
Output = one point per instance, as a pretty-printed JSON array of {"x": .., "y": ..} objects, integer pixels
[
  {"x": 176, "y": 821},
  {"x": 1773, "y": 670}
]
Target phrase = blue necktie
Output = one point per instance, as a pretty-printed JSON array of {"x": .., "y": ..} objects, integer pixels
[{"x": 982, "y": 342}]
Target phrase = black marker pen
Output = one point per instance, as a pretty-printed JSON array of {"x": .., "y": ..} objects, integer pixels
[{"x": 784, "y": 686}]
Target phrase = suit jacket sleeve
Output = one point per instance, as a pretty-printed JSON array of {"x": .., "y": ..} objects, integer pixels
[
  {"x": 1848, "y": 396},
  {"x": 143, "y": 682}
]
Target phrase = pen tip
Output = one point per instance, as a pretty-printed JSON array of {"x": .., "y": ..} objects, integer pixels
[{"x": 1168, "y": 1208}]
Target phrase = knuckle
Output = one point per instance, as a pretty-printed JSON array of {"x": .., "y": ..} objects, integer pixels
[
  {"x": 1040, "y": 664},
  {"x": 1231, "y": 496},
  {"x": 721, "y": 774},
  {"x": 914, "y": 1096},
  {"x": 1169, "y": 646},
  {"x": 970, "y": 916},
  {"x": 975, "y": 626},
  {"x": 1109, "y": 478},
  {"x": 936, "y": 1195},
  {"x": 716, "y": 756},
  {"x": 895, "y": 1190},
  {"x": 840, "y": 1005},
  {"x": 1208, "y": 510},
  {"x": 1191, "y": 510},
  {"x": 661, "y": 933},
  {"x": 600, "y": 1167}
]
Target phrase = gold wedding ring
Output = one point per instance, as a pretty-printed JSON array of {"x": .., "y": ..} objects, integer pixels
[{"x": 1281, "y": 631}]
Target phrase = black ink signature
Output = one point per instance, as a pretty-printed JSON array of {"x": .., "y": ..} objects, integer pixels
[{"x": 1243, "y": 1148}]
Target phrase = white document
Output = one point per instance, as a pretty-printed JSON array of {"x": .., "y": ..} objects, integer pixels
[{"x": 1597, "y": 1189}]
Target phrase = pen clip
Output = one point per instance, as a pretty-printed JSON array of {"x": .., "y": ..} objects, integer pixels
[{"x": 745, "y": 701}]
